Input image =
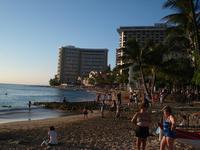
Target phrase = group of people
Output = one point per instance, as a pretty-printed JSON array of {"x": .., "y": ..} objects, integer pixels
[
  {"x": 142, "y": 120},
  {"x": 133, "y": 98},
  {"x": 112, "y": 99}
]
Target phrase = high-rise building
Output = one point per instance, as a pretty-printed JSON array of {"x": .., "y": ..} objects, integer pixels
[
  {"x": 141, "y": 34},
  {"x": 78, "y": 62}
]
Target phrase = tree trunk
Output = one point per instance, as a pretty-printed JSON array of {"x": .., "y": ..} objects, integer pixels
[
  {"x": 153, "y": 81},
  {"x": 196, "y": 32},
  {"x": 143, "y": 81}
]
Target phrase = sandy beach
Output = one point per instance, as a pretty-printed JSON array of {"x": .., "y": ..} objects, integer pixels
[{"x": 76, "y": 133}]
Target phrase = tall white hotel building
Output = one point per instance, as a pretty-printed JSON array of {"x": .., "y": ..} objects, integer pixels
[{"x": 78, "y": 62}]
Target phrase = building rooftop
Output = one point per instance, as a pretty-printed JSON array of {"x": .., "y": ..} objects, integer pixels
[
  {"x": 157, "y": 26},
  {"x": 85, "y": 49}
]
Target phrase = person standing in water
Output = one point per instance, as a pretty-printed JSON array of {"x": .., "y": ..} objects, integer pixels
[{"x": 29, "y": 106}]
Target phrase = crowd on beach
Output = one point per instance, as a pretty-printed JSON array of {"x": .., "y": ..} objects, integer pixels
[
  {"x": 113, "y": 99},
  {"x": 141, "y": 109},
  {"x": 142, "y": 118}
]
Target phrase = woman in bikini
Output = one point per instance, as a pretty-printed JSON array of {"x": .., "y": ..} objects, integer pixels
[{"x": 168, "y": 129}]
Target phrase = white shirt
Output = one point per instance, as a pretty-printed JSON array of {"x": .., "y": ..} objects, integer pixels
[{"x": 53, "y": 137}]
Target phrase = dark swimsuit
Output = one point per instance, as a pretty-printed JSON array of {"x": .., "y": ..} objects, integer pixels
[
  {"x": 85, "y": 112},
  {"x": 167, "y": 129},
  {"x": 142, "y": 131}
]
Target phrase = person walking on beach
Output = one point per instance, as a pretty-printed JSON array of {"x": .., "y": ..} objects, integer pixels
[
  {"x": 118, "y": 105},
  {"x": 114, "y": 104},
  {"x": 146, "y": 100},
  {"x": 98, "y": 97},
  {"x": 142, "y": 120},
  {"x": 131, "y": 98},
  {"x": 109, "y": 98},
  {"x": 169, "y": 125},
  {"x": 85, "y": 113},
  {"x": 161, "y": 97},
  {"x": 117, "y": 113},
  {"x": 119, "y": 98},
  {"x": 135, "y": 97},
  {"x": 102, "y": 107}
]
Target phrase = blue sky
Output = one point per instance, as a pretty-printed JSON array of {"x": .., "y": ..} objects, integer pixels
[{"x": 31, "y": 31}]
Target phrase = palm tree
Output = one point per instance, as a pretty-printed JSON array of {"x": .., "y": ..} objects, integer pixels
[
  {"x": 153, "y": 60},
  {"x": 145, "y": 59},
  {"x": 186, "y": 21},
  {"x": 186, "y": 16},
  {"x": 178, "y": 71}
]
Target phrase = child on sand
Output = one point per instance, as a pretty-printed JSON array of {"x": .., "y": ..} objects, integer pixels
[{"x": 52, "y": 138}]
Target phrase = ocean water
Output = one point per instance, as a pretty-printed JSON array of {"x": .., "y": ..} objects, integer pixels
[
  {"x": 14, "y": 100},
  {"x": 17, "y": 96}
]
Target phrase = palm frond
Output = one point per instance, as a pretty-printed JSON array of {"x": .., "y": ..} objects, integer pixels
[
  {"x": 177, "y": 18},
  {"x": 177, "y": 5},
  {"x": 132, "y": 51},
  {"x": 177, "y": 42},
  {"x": 169, "y": 4},
  {"x": 174, "y": 30}
]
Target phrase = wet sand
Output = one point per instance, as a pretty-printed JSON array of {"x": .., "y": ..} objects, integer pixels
[{"x": 13, "y": 115}]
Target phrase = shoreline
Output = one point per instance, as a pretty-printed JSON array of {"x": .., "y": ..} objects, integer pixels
[
  {"x": 46, "y": 122},
  {"x": 28, "y": 135},
  {"x": 11, "y": 113},
  {"x": 37, "y": 113}
]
